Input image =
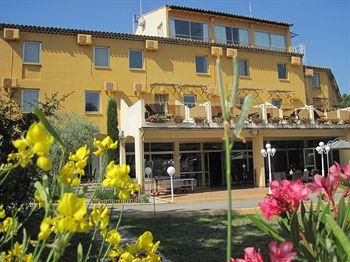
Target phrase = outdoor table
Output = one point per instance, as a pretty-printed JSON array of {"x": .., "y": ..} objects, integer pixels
[{"x": 167, "y": 179}]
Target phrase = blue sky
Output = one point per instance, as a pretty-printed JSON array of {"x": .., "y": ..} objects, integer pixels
[{"x": 323, "y": 25}]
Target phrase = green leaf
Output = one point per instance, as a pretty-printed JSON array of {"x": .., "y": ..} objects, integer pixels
[
  {"x": 79, "y": 253},
  {"x": 48, "y": 126},
  {"x": 39, "y": 187},
  {"x": 344, "y": 241},
  {"x": 266, "y": 228},
  {"x": 244, "y": 113}
]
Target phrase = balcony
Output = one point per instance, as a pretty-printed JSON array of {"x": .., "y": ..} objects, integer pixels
[{"x": 208, "y": 115}]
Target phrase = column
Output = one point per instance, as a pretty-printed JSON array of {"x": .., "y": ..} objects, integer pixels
[
  {"x": 177, "y": 159},
  {"x": 345, "y": 153},
  {"x": 258, "y": 161},
  {"x": 203, "y": 165},
  {"x": 312, "y": 115},
  {"x": 139, "y": 158},
  {"x": 209, "y": 112},
  {"x": 122, "y": 157},
  {"x": 264, "y": 113}
]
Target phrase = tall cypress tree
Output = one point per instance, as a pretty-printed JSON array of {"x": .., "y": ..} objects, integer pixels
[{"x": 112, "y": 128}]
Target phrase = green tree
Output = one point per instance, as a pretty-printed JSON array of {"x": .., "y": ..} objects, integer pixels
[
  {"x": 112, "y": 128},
  {"x": 75, "y": 131},
  {"x": 345, "y": 100},
  {"x": 19, "y": 188}
]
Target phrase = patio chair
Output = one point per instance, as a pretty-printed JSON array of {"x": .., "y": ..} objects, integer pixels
[
  {"x": 282, "y": 175},
  {"x": 306, "y": 177},
  {"x": 276, "y": 176},
  {"x": 296, "y": 175}
]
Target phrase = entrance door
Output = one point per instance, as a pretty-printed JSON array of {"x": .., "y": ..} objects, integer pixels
[
  {"x": 213, "y": 169},
  {"x": 309, "y": 158}
]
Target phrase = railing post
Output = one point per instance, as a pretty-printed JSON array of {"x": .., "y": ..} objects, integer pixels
[{"x": 209, "y": 111}]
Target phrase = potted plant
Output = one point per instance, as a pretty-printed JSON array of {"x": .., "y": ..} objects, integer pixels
[
  {"x": 218, "y": 120},
  {"x": 156, "y": 118},
  {"x": 305, "y": 121},
  {"x": 291, "y": 121},
  {"x": 177, "y": 119},
  {"x": 321, "y": 121},
  {"x": 274, "y": 120},
  {"x": 258, "y": 121},
  {"x": 199, "y": 120},
  {"x": 346, "y": 122}
]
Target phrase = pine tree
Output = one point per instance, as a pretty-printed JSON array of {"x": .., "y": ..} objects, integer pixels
[{"x": 112, "y": 128}]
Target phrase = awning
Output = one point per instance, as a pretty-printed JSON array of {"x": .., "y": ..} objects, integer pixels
[{"x": 339, "y": 144}]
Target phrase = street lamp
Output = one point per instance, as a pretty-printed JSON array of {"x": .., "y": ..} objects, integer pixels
[
  {"x": 171, "y": 172},
  {"x": 323, "y": 149},
  {"x": 269, "y": 152},
  {"x": 148, "y": 172}
]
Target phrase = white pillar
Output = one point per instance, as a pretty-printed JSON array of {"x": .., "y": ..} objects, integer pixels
[
  {"x": 325, "y": 114},
  {"x": 311, "y": 114},
  {"x": 264, "y": 113},
  {"x": 122, "y": 156},
  {"x": 177, "y": 159},
  {"x": 139, "y": 158},
  {"x": 338, "y": 114},
  {"x": 280, "y": 113},
  {"x": 209, "y": 112}
]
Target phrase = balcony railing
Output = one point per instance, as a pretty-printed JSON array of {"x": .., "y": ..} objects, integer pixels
[{"x": 262, "y": 116}]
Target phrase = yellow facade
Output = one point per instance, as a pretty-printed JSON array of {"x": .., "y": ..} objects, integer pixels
[{"x": 65, "y": 67}]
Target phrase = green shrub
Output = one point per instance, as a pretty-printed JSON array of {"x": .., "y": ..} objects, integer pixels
[{"x": 112, "y": 128}]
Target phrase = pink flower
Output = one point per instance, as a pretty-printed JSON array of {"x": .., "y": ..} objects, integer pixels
[
  {"x": 346, "y": 174},
  {"x": 284, "y": 197},
  {"x": 250, "y": 255},
  {"x": 328, "y": 185},
  {"x": 282, "y": 252}
]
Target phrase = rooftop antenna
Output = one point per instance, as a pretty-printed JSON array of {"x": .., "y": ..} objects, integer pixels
[
  {"x": 140, "y": 7},
  {"x": 250, "y": 8}
]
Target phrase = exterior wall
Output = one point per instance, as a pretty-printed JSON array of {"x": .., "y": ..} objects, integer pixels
[
  {"x": 152, "y": 20},
  {"x": 66, "y": 67},
  {"x": 326, "y": 92}
]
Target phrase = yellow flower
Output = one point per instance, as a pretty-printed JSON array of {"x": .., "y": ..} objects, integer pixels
[
  {"x": 7, "y": 224},
  {"x": 2, "y": 212},
  {"x": 113, "y": 237},
  {"x": 99, "y": 215},
  {"x": 37, "y": 196},
  {"x": 16, "y": 254},
  {"x": 80, "y": 159},
  {"x": 145, "y": 242},
  {"x": 71, "y": 211},
  {"x": 103, "y": 145},
  {"x": 37, "y": 141},
  {"x": 67, "y": 172},
  {"x": 126, "y": 257},
  {"x": 46, "y": 228}
]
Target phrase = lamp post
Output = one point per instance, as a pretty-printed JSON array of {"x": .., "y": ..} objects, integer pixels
[
  {"x": 269, "y": 152},
  {"x": 148, "y": 172},
  {"x": 323, "y": 149},
  {"x": 171, "y": 172}
]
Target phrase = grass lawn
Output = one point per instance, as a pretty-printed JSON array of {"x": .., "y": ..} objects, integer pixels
[{"x": 198, "y": 238}]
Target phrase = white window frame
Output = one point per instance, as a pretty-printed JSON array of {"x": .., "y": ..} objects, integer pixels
[
  {"x": 100, "y": 102},
  {"x": 189, "y": 30},
  {"x": 143, "y": 60},
  {"x": 22, "y": 102},
  {"x": 286, "y": 67},
  {"x": 207, "y": 71},
  {"x": 31, "y": 63},
  {"x": 248, "y": 68},
  {"x": 318, "y": 81},
  {"x": 270, "y": 46},
  {"x": 239, "y": 28},
  {"x": 109, "y": 57}
]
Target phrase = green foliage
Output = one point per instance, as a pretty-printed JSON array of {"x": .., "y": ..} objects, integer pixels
[
  {"x": 19, "y": 189},
  {"x": 315, "y": 233},
  {"x": 75, "y": 131},
  {"x": 106, "y": 194},
  {"x": 345, "y": 101},
  {"x": 112, "y": 128}
]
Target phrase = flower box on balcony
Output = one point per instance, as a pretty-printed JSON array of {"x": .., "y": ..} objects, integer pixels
[
  {"x": 177, "y": 119},
  {"x": 305, "y": 121},
  {"x": 199, "y": 120},
  {"x": 156, "y": 118},
  {"x": 333, "y": 121},
  {"x": 218, "y": 120}
]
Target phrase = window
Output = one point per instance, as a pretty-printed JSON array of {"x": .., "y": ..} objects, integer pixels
[
  {"x": 276, "y": 102},
  {"x": 269, "y": 40},
  {"x": 189, "y": 100},
  {"x": 241, "y": 101},
  {"x": 30, "y": 100},
  {"x": 316, "y": 81},
  {"x": 135, "y": 59},
  {"x": 231, "y": 35},
  {"x": 282, "y": 71},
  {"x": 243, "y": 68},
  {"x": 92, "y": 101},
  {"x": 201, "y": 64},
  {"x": 31, "y": 52},
  {"x": 101, "y": 57},
  {"x": 189, "y": 30}
]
